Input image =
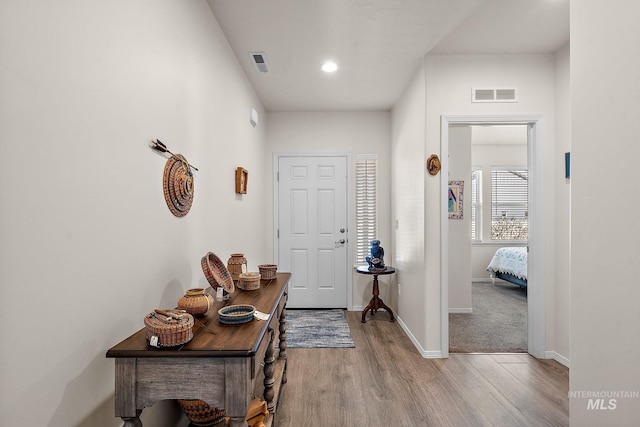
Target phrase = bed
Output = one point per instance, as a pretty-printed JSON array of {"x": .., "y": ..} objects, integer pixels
[{"x": 510, "y": 264}]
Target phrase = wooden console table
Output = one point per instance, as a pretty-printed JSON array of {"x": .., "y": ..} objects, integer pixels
[
  {"x": 376, "y": 302},
  {"x": 220, "y": 365}
]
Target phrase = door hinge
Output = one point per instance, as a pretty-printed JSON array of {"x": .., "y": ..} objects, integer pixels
[
  {"x": 278, "y": 234},
  {"x": 277, "y": 176}
]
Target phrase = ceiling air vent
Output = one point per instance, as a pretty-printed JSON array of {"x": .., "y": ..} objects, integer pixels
[
  {"x": 503, "y": 94},
  {"x": 259, "y": 61}
]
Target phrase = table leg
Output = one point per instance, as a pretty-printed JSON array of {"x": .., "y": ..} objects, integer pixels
[
  {"x": 376, "y": 303},
  {"x": 269, "y": 369},
  {"x": 126, "y": 392},
  {"x": 282, "y": 354},
  {"x": 238, "y": 389},
  {"x": 132, "y": 421}
]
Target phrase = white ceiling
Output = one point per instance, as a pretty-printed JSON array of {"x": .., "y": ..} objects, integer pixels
[{"x": 378, "y": 44}]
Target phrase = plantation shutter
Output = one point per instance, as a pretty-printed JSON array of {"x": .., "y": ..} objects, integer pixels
[
  {"x": 366, "y": 205},
  {"x": 476, "y": 204},
  {"x": 509, "y": 204}
]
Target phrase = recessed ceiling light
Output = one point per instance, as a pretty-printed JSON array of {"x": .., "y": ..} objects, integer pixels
[{"x": 329, "y": 67}]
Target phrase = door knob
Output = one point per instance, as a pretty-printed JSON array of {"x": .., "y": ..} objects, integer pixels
[
  {"x": 342, "y": 230},
  {"x": 341, "y": 241}
]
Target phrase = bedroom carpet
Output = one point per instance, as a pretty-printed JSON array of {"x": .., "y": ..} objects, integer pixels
[
  {"x": 318, "y": 329},
  {"x": 498, "y": 323}
]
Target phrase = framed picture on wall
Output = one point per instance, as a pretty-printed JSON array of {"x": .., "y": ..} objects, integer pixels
[
  {"x": 242, "y": 177},
  {"x": 455, "y": 197}
]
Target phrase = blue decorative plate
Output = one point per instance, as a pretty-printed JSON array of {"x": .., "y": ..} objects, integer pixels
[{"x": 236, "y": 314}]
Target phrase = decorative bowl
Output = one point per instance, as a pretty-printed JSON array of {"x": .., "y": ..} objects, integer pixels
[
  {"x": 235, "y": 314},
  {"x": 216, "y": 272}
]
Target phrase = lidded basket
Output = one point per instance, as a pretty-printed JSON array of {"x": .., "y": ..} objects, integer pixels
[
  {"x": 168, "y": 330},
  {"x": 196, "y": 302},
  {"x": 249, "y": 281}
]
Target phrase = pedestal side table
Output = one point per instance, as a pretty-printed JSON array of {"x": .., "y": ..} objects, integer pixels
[{"x": 376, "y": 303}]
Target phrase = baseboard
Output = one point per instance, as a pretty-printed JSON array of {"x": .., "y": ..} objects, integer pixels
[
  {"x": 558, "y": 358},
  {"x": 488, "y": 280},
  {"x": 460, "y": 310},
  {"x": 424, "y": 353}
]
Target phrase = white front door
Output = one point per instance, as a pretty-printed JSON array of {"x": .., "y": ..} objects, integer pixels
[{"x": 312, "y": 229}]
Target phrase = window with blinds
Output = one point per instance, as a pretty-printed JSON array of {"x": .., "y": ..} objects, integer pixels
[
  {"x": 509, "y": 204},
  {"x": 366, "y": 205},
  {"x": 476, "y": 204}
]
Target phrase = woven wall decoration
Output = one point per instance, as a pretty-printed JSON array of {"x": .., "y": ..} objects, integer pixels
[
  {"x": 178, "y": 185},
  {"x": 433, "y": 165}
]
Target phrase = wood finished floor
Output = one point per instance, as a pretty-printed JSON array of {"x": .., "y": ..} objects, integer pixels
[{"x": 384, "y": 381}]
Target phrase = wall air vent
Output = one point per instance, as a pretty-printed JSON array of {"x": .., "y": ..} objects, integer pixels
[
  {"x": 259, "y": 61},
  {"x": 503, "y": 94}
]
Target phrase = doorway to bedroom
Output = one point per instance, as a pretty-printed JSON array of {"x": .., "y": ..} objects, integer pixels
[
  {"x": 488, "y": 165},
  {"x": 535, "y": 226}
]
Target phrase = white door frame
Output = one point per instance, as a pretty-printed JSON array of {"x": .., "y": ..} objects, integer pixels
[
  {"x": 350, "y": 215},
  {"x": 536, "y": 303}
]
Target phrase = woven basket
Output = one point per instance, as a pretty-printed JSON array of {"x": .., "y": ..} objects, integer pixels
[
  {"x": 170, "y": 332},
  {"x": 249, "y": 281},
  {"x": 236, "y": 314},
  {"x": 268, "y": 271},
  {"x": 237, "y": 265},
  {"x": 177, "y": 184},
  {"x": 200, "y": 413},
  {"x": 196, "y": 302},
  {"x": 216, "y": 272}
]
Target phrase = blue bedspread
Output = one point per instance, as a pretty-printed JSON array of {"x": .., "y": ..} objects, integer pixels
[{"x": 511, "y": 260}]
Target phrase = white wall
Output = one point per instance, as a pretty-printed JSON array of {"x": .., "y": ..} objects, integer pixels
[
  {"x": 88, "y": 244},
  {"x": 460, "y": 229},
  {"x": 408, "y": 211},
  {"x": 341, "y": 132},
  {"x": 559, "y": 303},
  {"x": 605, "y": 319},
  {"x": 447, "y": 83}
]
